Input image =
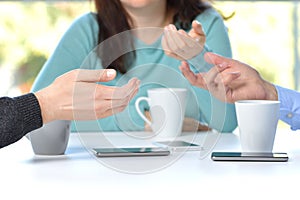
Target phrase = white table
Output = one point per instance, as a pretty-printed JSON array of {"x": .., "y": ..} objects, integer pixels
[{"x": 79, "y": 175}]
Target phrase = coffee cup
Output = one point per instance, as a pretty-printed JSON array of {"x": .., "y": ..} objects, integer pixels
[
  {"x": 257, "y": 122},
  {"x": 167, "y": 110}
]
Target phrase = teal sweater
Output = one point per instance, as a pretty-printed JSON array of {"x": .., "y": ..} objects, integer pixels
[{"x": 151, "y": 66}]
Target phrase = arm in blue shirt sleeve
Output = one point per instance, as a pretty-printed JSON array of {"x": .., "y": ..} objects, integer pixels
[{"x": 289, "y": 106}]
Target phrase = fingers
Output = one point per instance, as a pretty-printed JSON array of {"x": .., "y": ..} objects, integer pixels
[
  {"x": 109, "y": 112},
  {"x": 165, "y": 45},
  {"x": 216, "y": 59},
  {"x": 104, "y": 101},
  {"x": 107, "y": 75},
  {"x": 168, "y": 50},
  {"x": 129, "y": 89},
  {"x": 123, "y": 102},
  {"x": 228, "y": 64},
  {"x": 97, "y": 110},
  {"x": 216, "y": 76},
  {"x": 115, "y": 93},
  {"x": 197, "y": 32},
  {"x": 102, "y": 75},
  {"x": 115, "y": 106},
  {"x": 180, "y": 45},
  {"x": 190, "y": 42},
  {"x": 173, "y": 42},
  {"x": 189, "y": 75},
  {"x": 229, "y": 77},
  {"x": 183, "y": 46},
  {"x": 194, "y": 79},
  {"x": 197, "y": 27}
]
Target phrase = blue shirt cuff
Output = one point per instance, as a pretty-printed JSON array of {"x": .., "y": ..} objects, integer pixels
[{"x": 289, "y": 106}]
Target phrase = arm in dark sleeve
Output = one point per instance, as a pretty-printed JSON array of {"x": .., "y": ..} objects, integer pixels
[{"x": 18, "y": 116}]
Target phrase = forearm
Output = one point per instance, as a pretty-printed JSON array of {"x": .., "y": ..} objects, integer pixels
[
  {"x": 46, "y": 105},
  {"x": 18, "y": 116}
]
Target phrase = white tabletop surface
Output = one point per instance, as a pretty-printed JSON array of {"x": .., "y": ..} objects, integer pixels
[{"x": 79, "y": 175}]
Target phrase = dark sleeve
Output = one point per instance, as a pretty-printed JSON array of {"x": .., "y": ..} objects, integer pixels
[{"x": 18, "y": 116}]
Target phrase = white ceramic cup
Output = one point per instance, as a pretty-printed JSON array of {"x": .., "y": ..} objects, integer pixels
[
  {"x": 257, "y": 121},
  {"x": 167, "y": 110}
]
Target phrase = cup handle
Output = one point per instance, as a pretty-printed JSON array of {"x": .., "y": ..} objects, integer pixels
[{"x": 137, "y": 107}]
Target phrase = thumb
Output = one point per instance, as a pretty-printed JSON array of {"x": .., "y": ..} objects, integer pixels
[
  {"x": 100, "y": 75},
  {"x": 197, "y": 32},
  {"x": 197, "y": 27}
]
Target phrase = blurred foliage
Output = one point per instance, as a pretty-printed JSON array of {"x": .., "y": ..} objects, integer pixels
[
  {"x": 29, "y": 67},
  {"x": 29, "y": 33},
  {"x": 261, "y": 35}
]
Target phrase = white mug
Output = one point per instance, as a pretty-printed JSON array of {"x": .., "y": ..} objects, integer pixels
[
  {"x": 167, "y": 110},
  {"x": 257, "y": 121}
]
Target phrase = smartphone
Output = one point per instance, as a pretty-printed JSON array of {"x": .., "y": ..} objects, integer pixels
[
  {"x": 135, "y": 151},
  {"x": 239, "y": 156},
  {"x": 179, "y": 145}
]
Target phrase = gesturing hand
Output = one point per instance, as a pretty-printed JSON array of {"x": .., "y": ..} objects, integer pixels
[
  {"x": 76, "y": 95},
  {"x": 181, "y": 45},
  {"x": 230, "y": 80}
]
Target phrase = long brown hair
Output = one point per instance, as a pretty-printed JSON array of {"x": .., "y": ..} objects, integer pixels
[{"x": 113, "y": 19}]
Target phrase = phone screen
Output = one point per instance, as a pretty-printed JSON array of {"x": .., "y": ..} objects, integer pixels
[
  {"x": 135, "y": 151},
  {"x": 239, "y": 156}
]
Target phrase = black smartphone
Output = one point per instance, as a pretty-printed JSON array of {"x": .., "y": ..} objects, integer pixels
[
  {"x": 135, "y": 151},
  {"x": 259, "y": 157}
]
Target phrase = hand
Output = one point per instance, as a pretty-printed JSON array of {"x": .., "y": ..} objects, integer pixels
[
  {"x": 77, "y": 96},
  {"x": 230, "y": 80},
  {"x": 181, "y": 45}
]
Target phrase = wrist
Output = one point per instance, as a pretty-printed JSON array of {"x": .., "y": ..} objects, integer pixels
[
  {"x": 271, "y": 91},
  {"x": 46, "y": 110}
]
